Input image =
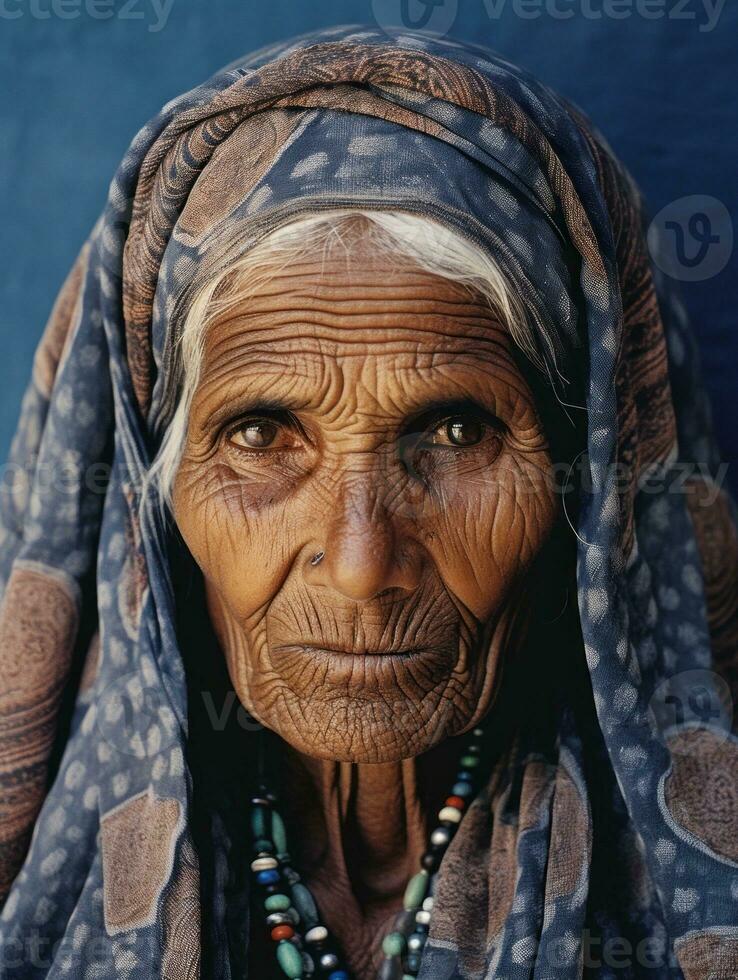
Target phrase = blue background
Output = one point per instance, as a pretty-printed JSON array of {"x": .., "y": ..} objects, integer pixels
[{"x": 76, "y": 87}]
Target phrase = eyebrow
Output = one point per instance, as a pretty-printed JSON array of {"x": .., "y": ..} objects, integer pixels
[{"x": 280, "y": 391}]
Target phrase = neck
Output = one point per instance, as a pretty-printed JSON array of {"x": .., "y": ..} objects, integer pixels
[{"x": 357, "y": 833}]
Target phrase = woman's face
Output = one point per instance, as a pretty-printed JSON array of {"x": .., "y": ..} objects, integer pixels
[{"x": 363, "y": 409}]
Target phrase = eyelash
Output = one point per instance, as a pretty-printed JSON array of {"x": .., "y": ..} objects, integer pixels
[
  {"x": 427, "y": 424},
  {"x": 281, "y": 419}
]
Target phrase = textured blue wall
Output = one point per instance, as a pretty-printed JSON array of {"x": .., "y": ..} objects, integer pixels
[{"x": 79, "y": 77}]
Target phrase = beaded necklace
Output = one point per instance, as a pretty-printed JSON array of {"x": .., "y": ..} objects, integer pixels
[{"x": 303, "y": 945}]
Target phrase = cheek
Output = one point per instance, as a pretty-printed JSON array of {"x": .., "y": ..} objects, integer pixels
[
  {"x": 490, "y": 529},
  {"x": 242, "y": 555}
]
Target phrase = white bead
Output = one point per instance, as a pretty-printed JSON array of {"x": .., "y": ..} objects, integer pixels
[
  {"x": 318, "y": 934},
  {"x": 264, "y": 864},
  {"x": 450, "y": 813},
  {"x": 422, "y": 917},
  {"x": 329, "y": 961},
  {"x": 428, "y": 903},
  {"x": 440, "y": 835}
]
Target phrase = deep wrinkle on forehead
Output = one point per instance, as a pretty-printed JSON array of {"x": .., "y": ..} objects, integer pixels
[
  {"x": 316, "y": 332},
  {"x": 392, "y": 384}
]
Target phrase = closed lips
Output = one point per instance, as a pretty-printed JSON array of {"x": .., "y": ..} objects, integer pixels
[{"x": 349, "y": 651}]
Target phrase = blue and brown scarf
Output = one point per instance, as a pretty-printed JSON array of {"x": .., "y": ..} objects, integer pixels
[{"x": 605, "y": 846}]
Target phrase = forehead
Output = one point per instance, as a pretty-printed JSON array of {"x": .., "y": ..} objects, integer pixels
[
  {"x": 356, "y": 304},
  {"x": 357, "y": 326}
]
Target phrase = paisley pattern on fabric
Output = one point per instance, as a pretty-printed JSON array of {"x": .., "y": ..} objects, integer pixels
[
  {"x": 700, "y": 792},
  {"x": 613, "y": 825},
  {"x": 38, "y": 625},
  {"x": 709, "y": 955},
  {"x": 717, "y": 537},
  {"x": 138, "y": 841}
]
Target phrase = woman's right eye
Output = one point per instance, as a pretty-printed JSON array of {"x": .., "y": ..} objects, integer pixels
[{"x": 261, "y": 434}]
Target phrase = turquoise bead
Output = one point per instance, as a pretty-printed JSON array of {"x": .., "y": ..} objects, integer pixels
[
  {"x": 461, "y": 789},
  {"x": 277, "y": 903},
  {"x": 260, "y": 822},
  {"x": 279, "y": 835},
  {"x": 393, "y": 944},
  {"x": 305, "y": 905},
  {"x": 417, "y": 889},
  {"x": 289, "y": 958}
]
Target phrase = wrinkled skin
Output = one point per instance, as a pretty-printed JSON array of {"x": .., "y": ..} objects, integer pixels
[{"x": 361, "y": 407}]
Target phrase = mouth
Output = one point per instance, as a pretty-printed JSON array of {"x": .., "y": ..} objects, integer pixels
[
  {"x": 327, "y": 649},
  {"x": 361, "y": 671}
]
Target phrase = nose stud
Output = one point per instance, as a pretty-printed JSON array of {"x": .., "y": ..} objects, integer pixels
[{"x": 317, "y": 559}]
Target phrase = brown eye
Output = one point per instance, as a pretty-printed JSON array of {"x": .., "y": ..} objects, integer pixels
[
  {"x": 459, "y": 432},
  {"x": 256, "y": 434}
]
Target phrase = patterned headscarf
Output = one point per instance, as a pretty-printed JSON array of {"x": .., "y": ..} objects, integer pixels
[{"x": 606, "y": 845}]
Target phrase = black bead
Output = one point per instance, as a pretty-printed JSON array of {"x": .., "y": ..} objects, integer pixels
[
  {"x": 412, "y": 962},
  {"x": 391, "y": 969},
  {"x": 431, "y": 861},
  {"x": 405, "y": 921}
]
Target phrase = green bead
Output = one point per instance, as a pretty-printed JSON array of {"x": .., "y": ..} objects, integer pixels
[
  {"x": 279, "y": 835},
  {"x": 416, "y": 891},
  {"x": 393, "y": 944},
  {"x": 289, "y": 958},
  {"x": 260, "y": 822},
  {"x": 305, "y": 905},
  {"x": 277, "y": 903},
  {"x": 469, "y": 761}
]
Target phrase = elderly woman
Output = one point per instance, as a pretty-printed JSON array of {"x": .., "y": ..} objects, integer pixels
[{"x": 369, "y": 601}]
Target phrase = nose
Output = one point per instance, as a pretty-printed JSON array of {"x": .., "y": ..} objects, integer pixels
[{"x": 365, "y": 552}]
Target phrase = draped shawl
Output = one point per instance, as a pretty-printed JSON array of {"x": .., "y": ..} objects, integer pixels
[{"x": 628, "y": 834}]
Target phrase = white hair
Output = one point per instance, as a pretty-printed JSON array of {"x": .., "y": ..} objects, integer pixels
[{"x": 432, "y": 246}]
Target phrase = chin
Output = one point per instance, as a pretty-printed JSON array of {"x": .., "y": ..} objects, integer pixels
[
  {"x": 365, "y": 728},
  {"x": 361, "y": 740}
]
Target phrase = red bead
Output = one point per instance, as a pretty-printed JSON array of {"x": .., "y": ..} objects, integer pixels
[
  {"x": 455, "y": 801},
  {"x": 282, "y": 932}
]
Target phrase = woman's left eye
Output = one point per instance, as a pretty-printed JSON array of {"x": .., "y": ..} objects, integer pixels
[
  {"x": 459, "y": 432},
  {"x": 259, "y": 434}
]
